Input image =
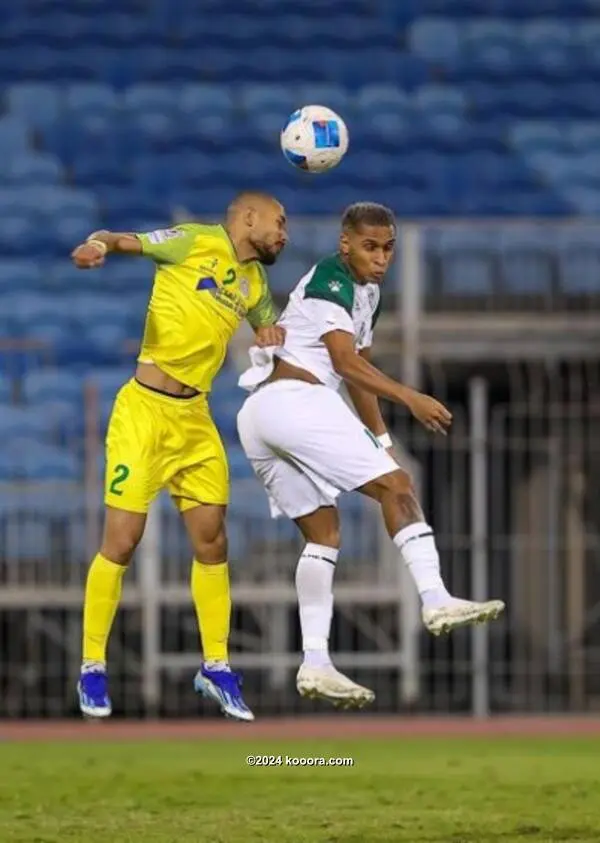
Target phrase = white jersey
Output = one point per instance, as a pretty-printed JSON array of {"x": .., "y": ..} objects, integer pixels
[{"x": 326, "y": 299}]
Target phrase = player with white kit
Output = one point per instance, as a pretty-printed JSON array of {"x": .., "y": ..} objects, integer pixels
[{"x": 306, "y": 445}]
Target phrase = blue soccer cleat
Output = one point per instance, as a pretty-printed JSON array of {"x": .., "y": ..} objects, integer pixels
[
  {"x": 93, "y": 693},
  {"x": 224, "y": 687}
]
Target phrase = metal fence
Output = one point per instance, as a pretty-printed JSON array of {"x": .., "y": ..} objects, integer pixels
[{"x": 511, "y": 494}]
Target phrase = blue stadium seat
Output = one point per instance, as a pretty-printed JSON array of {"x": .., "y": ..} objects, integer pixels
[
  {"x": 579, "y": 260},
  {"x": 36, "y": 461},
  {"x": 149, "y": 99},
  {"x": 436, "y": 40},
  {"x": 14, "y": 136},
  {"x": 24, "y": 274},
  {"x": 584, "y": 137},
  {"x": 526, "y": 256},
  {"x": 440, "y": 99},
  {"x": 550, "y": 48},
  {"x": 92, "y": 98},
  {"x": 22, "y": 422},
  {"x": 37, "y": 104},
  {"x": 191, "y": 99},
  {"x": 6, "y": 389},
  {"x": 109, "y": 381},
  {"x": 30, "y": 169},
  {"x": 383, "y": 98},
  {"x": 52, "y": 384},
  {"x": 540, "y": 136},
  {"x": 466, "y": 259}
]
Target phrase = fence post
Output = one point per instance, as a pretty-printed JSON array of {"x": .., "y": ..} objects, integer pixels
[
  {"x": 478, "y": 441},
  {"x": 149, "y": 584}
]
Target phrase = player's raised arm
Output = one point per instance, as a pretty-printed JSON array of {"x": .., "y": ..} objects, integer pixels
[
  {"x": 263, "y": 317},
  {"x": 170, "y": 245},
  {"x": 359, "y": 372}
]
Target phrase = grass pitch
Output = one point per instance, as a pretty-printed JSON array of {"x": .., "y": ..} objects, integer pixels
[{"x": 446, "y": 790}]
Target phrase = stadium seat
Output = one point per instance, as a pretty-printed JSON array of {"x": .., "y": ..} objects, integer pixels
[
  {"x": 36, "y": 461},
  {"x": 436, "y": 40},
  {"x": 466, "y": 259},
  {"x": 526, "y": 261},
  {"x": 51, "y": 385},
  {"x": 37, "y": 104},
  {"x": 22, "y": 274},
  {"x": 6, "y": 389},
  {"x": 540, "y": 136},
  {"x": 579, "y": 260},
  {"x": 108, "y": 381},
  {"x": 32, "y": 169},
  {"x": 18, "y": 422}
]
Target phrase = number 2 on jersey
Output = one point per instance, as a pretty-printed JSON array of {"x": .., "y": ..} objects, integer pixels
[{"x": 121, "y": 473}]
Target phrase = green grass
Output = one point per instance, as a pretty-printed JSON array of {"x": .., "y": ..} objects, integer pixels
[{"x": 452, "y": 791}]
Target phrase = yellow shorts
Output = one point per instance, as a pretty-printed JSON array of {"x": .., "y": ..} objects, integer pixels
[{"x": 154, "y": 442}]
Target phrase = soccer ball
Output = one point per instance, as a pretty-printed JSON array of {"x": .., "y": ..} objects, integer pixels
[{"x": 314, "y": 138}]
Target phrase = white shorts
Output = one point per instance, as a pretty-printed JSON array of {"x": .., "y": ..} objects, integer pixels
[{"x": 307, "y": 446}]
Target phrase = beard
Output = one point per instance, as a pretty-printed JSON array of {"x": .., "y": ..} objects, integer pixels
[{"x": 266, "y": 256}]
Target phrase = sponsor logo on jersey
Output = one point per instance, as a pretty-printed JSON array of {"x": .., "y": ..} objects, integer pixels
[
  {"x": 244, "y": 287},
  {"x": 163, "y": 234}
]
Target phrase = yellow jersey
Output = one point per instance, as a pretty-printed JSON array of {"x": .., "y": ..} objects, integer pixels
[{"x": 200, "y": 295}]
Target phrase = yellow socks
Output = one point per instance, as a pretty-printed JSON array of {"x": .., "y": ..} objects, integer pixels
[
  {"x": 212, "y": 601},
  {"x": 102, "y": 596}
]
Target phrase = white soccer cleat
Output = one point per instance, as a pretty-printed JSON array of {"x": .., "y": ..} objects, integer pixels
[
  {"x": 327, "y": 683},
  {"x": 460, "y": 613}
]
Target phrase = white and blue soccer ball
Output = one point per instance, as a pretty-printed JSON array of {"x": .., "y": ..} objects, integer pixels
[{"x": 314, "y": 138}]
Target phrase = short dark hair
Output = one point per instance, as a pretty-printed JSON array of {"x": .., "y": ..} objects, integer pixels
[{"x": 367, "y": 213}]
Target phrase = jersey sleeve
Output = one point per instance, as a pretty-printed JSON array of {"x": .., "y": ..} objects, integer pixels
[
  {"x": 263, "y": 312},
  {"x": 168, "y": 245},
  {"x": 328, "y": 300}
]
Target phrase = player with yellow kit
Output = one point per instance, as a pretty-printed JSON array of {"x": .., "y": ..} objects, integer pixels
[{"x": 161, "y": 435}]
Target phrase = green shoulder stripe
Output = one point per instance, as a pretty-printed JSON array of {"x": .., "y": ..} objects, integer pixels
[{"x": 331, "y": 282}]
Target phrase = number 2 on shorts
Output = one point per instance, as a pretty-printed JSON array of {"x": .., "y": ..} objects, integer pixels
[{"x": 121, "y": 474}]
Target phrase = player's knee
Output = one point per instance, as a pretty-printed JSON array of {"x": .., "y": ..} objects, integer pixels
[
  {"x": 120, "y": 548},
  {"x": 211, "y": 549},
  {"x": 397, "y": 483}
]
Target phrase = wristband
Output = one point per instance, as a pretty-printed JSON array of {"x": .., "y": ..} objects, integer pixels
[
  {"x": 386, "y": 440},
  {"x": 99, "y": 244}
]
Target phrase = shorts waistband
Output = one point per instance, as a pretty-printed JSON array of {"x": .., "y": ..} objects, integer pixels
[
  {"x": 179, "y": 400},
  {"x": 284, "y": 382}
]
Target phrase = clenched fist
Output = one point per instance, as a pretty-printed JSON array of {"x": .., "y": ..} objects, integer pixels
[
  {"x": 432, "y": 415},
  {"x": 88, "y": 255},
  {"x": 270, "y": 335}
]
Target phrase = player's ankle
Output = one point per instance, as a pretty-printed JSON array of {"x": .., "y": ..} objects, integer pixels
[
  {"x": 216, "y": 664},
  {"x": 317, "y": 658},
  {"x": 88, "y": 665},
  {"x": 436, "y": 598}
]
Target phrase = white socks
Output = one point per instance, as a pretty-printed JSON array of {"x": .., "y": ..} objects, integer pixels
[
  {"x": 417, "y": 546},
  {"x": 314, "y": 586}
]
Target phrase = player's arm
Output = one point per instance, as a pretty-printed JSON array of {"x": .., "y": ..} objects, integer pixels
[
  {"x": 165, "y": 246},
  {"x": 366, "y": 404},
  {"x": 358, "y": 372},
  {"x": 263, "y": 318}
]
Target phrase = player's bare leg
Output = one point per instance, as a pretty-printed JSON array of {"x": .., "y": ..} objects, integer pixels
[
  {"x": 406, "y": 526},
  {"x": 205, "y": 524},
  {"x": 317, "y": 677},
  {"x": 122, "y": 533}
]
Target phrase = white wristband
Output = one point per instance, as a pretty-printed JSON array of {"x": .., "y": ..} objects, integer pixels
[
  {"x": 386, "y": 440},
  {"x": 98, "y": 244}
]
